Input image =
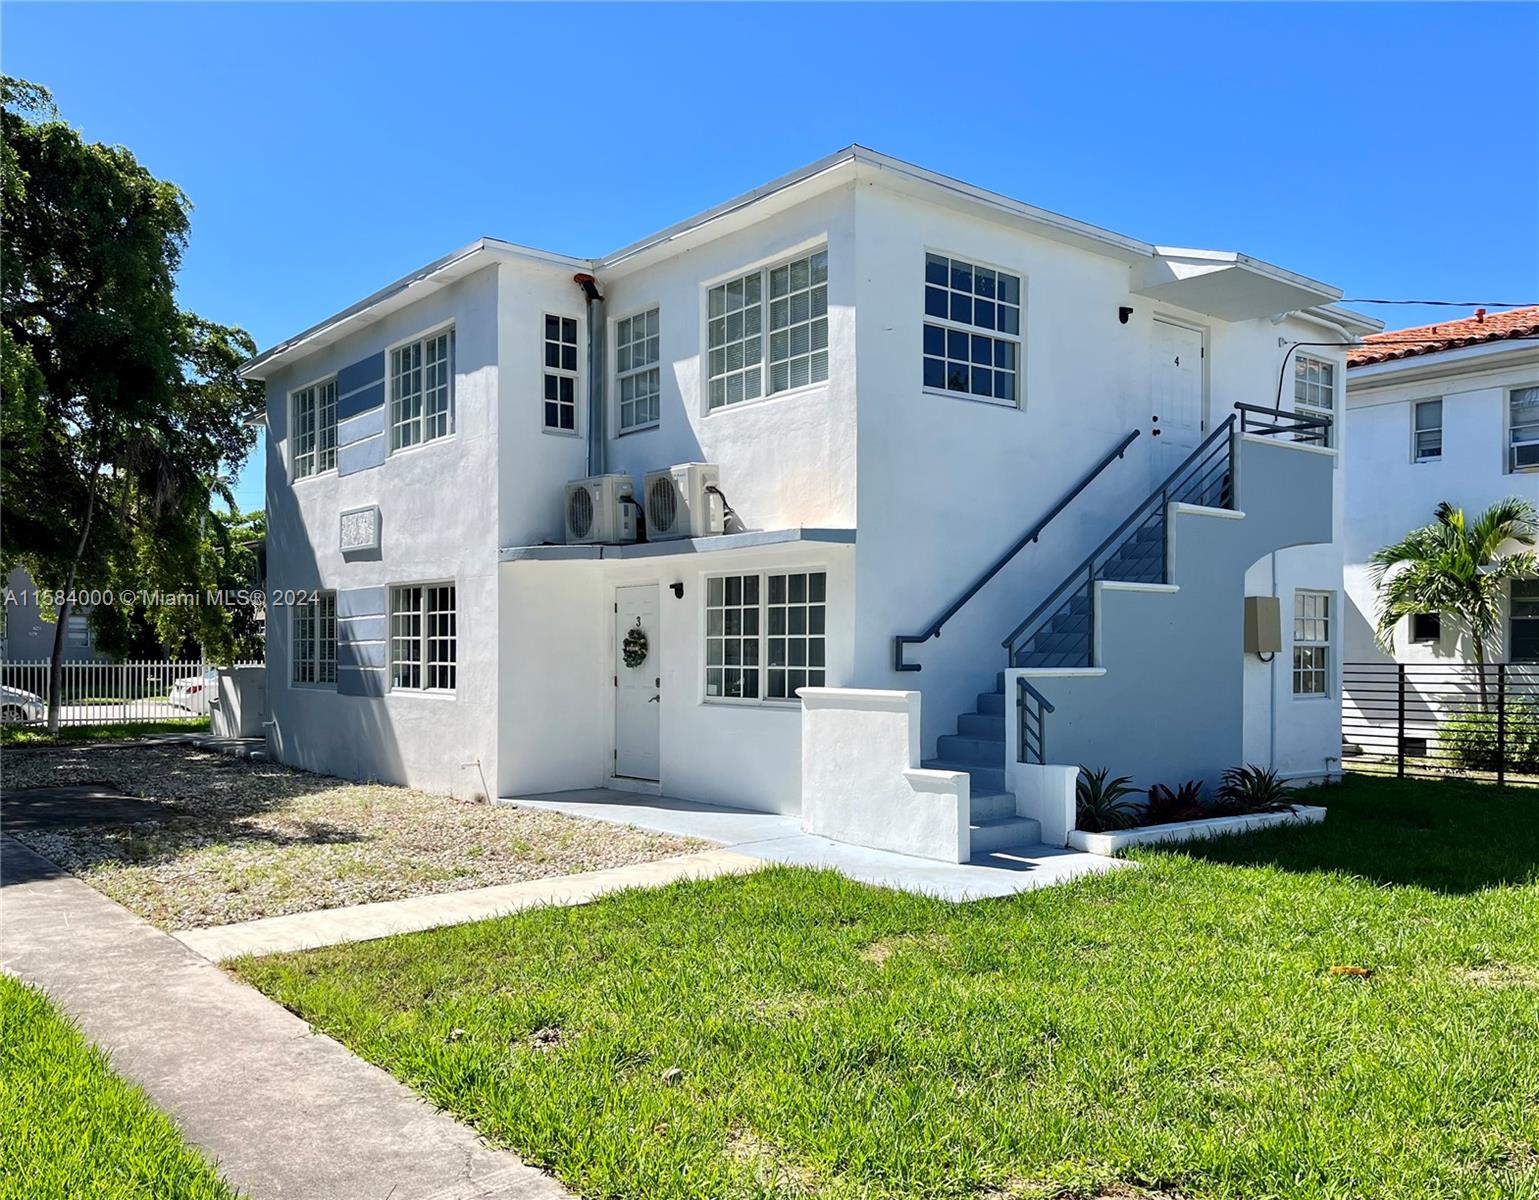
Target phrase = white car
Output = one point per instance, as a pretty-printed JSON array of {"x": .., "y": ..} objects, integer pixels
[
  {"x": 194, "y": 692},
  {"x": 21, "y": 708}
]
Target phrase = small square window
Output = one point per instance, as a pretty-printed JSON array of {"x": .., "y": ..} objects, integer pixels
[{"x": 1427, "y": 627}]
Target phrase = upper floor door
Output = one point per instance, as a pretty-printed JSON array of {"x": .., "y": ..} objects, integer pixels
[{"x": 1177, "y": 392}]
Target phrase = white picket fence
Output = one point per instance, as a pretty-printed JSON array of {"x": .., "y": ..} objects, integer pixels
[{"x": 99, "y": 693}]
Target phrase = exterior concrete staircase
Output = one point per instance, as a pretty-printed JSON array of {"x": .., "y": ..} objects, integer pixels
[{"x": 978, "y": 748}]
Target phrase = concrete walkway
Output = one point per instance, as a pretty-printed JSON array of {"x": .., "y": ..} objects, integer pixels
[
  {"x": 288, "y": 1114},
  {"x": 360, "y": 922},
  {"x": 778, "y": 838}
]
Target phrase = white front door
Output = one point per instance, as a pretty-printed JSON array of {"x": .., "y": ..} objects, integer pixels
[
  {"x": 638, "y": 678},
  {"x": 1176, "y": 393}
]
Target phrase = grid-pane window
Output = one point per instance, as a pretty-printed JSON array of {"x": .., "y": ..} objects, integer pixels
[
  {"x": 765, "y": 634},
  {"x": 1427, "y": 430},
  {"x": 795, "y": 612},
  {"x": 1524, "y": 620},
  {"x": 314, "y": 434},
  {"x": 1314, "y": 393},
  {"x": 732, "y": 637},
  {"x": 960, "y": 300},
  {"x": 734, "y": 340},
  {"x": 561, "y": 374},
  {"x": 1523, "y": 428},
  {"x": 637, "y": 354},
  {"x": 798, "y": 323},
  {"x": 314, "y": 624},
  {"x": 424, "y": 637},
  {"x": 1311, "y": 643},
  {"x": 422, "y": 390}
]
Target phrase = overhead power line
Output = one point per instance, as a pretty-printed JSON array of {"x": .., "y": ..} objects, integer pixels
[{"x": 1449, "y": 303}]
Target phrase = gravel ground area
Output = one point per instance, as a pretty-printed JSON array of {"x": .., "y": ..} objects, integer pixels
[{"x": 242, "y": 840}]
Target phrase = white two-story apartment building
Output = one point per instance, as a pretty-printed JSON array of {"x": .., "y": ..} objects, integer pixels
[
  {"x": 1439, "y": 412},
  {"x": 922, "y": 406}
]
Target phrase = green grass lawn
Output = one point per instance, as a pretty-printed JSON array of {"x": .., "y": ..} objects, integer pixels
[
  {"x": 72, "y": 1130},
  {"x": 21, "y": 736},
  {"x": 1173, "y": 1031}
]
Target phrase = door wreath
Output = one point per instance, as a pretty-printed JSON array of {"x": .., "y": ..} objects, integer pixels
[{"x": 634, "y": 648}]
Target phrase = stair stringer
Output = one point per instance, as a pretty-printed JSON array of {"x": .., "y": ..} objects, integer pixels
[{"x": 1166, "y": 700}]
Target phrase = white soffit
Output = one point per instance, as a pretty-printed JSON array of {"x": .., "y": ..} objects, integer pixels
[{"x": 1223, "y": 284}]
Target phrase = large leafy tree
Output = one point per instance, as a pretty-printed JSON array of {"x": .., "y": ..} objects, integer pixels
[
  {"x": 1460, "y": 568},
  {"x": 122, "y": 411}
]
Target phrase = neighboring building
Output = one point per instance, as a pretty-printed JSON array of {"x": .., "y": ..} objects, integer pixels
[
  {"x": 1439, "y": 412},
  {"x": 29, "y": 638},
  {"x": 896, "y": 375}
]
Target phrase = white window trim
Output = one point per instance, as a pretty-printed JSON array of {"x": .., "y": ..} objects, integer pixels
[
  {"x": 577, "y": 376},
  {"x": 614, "y": 357},
  {"x": 1019, "y": 404},
  {"x": 316, "y": 684},
  {"x": 1329, "y": 643},
  {"x": 292, "y": 428},
  {"x": 1331, "y": 414},
  {"x": 1415, "y": 404},
  {"x": 432, "y": 331},
  {"x": 422, "y": 662},
  {"x": 1507, "y": 467},
  {"x": 1512, "y": 620},
  {"x": 761, "y": 268},
  {"x": 761, "y": 701}
]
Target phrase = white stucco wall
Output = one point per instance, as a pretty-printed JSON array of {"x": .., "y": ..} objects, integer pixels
[
  {"x": 786, "y": 460},
  {"x": 1389, "y": 493},
  {"x": 439, "y": 523}
]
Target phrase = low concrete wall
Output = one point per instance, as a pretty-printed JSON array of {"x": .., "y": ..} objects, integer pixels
[
  {"x": 1190, "y": 831},
  {"x": 861, "y": 779}
]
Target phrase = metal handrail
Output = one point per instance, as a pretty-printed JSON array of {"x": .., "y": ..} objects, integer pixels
[
  {"x": 1024, "y": 749},
  {"x": 1282, "y": 421},
  {"x": 1161, "y": 493},
  {"x": 1031, "y": 535}
]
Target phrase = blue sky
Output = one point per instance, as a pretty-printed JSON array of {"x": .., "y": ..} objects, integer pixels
[{"x": 1390, "y": 149}]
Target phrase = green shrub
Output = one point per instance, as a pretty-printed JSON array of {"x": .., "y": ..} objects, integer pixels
[
  {"x": 1104, "y": 804},
  {"x": 1252, "y": 789},
  {"x": 1469, "y": 740}
]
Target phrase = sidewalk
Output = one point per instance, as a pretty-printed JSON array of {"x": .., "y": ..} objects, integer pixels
[{"x": 286, "y": 1113}]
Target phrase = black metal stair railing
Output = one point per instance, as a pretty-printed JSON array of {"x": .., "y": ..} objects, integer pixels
[
  {"x": 1299, "y": 427},
  {"x": 1031, "y": 709},
  {"x": 1060, "y": 632},
  {"x": 904, "y": 640}
]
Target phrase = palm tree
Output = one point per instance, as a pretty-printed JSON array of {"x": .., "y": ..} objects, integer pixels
[{"x": 1459, "y": 568}]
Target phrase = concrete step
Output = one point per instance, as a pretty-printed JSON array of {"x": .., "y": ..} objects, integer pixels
[
  {"x": 992, "y": 806},
  {"x": 989, "y": 836},
  {"x": 986, "y": 752},
  {"x": 991, "y": 703},
  {"x": 986, "y": 780},
  {"x": 982, "y": 725}
]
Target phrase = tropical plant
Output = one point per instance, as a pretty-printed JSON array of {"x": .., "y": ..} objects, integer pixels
[
  {"x": 122, "y": 410},
  {"x": 1183, "y": 803},
  {"x": 1459, "y": 568},
  {"x": 1104, "y": 804},
  {"x": 1252, "y": 789},
  {"x": 1478, "y": 740}
]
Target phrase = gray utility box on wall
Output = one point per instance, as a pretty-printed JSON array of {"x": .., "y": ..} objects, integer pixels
[
  {"x": 239, "y": 703},
  {"x": 1263, "y": 625}
]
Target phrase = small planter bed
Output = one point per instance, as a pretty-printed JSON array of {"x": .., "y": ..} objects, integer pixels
[
  {"x": 1115, "y": 842},
  {"x": 1111, "y": 816}
]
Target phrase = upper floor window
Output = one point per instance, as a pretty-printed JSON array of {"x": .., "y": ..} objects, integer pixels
[
  {"x": 798, "y": 331},
  {"x": 1314, "y": 391},
  {"x": 422, "y": 390},
  {"x": 637, "y": 353},
  {"x": 1427, "y": 430},
  {"x": 1523, "y": 428},
  {"x": 961, "y": 298},
  {"x": 561, "y": 374},
  {"x": 314, "y": 437},
  {"x": 1426, "y": 627},
  {"x": 314, "y": 645},
  {"x": 1311, "y": 643},
  {"x": 423, "y": 637}
]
